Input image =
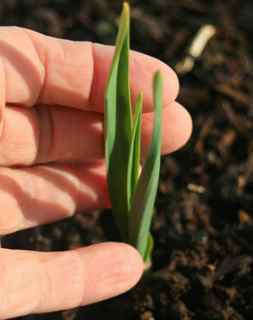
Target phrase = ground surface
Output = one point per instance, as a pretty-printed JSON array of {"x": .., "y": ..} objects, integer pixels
[{"x": 203, "y": 229}]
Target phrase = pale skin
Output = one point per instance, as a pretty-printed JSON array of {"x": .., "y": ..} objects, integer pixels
[{"x": 52, "y": 164}]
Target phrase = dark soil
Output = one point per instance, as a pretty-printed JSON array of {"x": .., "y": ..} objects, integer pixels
[{"x": 203, "y": 229}]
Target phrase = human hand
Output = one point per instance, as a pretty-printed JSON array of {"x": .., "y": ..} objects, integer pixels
[{"x": 51, "y": 158}]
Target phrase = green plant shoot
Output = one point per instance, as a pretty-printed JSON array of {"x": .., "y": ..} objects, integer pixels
[{"x": 132, "y": 186}]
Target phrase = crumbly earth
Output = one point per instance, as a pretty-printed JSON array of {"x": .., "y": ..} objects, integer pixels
[{"x": 203, "y": 229}]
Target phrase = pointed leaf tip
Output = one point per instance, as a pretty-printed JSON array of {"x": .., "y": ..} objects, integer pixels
[{"x": 126, "y": 8}]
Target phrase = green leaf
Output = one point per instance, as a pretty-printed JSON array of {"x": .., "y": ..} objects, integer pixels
[
  {"x": 144, "y": 197},
  {"x": 118, "y": 125},
  {"x": 132, "y": 193},
  {"x": 134, "y": 161},
  {"x": 149, "y": 249}
]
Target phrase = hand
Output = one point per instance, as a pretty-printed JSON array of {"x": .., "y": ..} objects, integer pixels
[{"x": 51, "y": 158}]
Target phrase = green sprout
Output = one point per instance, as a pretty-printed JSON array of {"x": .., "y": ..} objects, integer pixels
[{"x": 132, "y": 185}]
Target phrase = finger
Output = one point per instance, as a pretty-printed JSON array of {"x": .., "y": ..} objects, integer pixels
[
  {"x": 32, "y": 282},
  {"x": 142, "y": 70},
  {"x": 42, "y": 69},
  {"x": 43, "y": 134},
  {"x": 56, "y": 192},
  {"x": 176, "y": 128}
]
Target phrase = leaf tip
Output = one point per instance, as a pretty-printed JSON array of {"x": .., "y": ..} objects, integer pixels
[
  {"x": 158, "y": 76},
  {"x": 126, "y": 8}
]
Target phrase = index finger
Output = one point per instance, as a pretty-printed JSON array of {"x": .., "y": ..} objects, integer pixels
[{"x": 47, "y": 70}]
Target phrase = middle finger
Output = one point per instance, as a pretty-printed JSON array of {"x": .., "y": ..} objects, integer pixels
[{"x": 58, "y": 134}]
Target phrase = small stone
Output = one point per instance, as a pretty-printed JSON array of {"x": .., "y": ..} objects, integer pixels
[{"x": 147, "y": 315}]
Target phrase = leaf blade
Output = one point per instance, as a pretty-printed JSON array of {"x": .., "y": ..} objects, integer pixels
[
  {"x": 144, "y": 198},
  {"x": 134, "y": 160},
  {"x": 118, "y": 125}
]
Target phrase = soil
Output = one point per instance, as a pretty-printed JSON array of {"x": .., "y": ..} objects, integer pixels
[{"x": 203, "y": 228}]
